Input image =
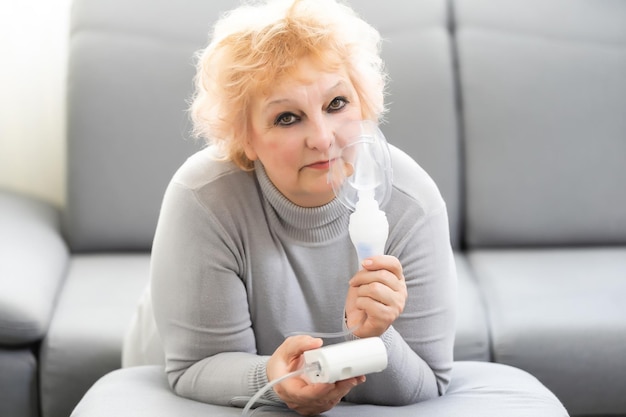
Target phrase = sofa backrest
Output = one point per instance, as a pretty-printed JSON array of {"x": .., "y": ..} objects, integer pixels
[
  {"x": 422, "y": 118},
  {"x": 130, "y": 78},
  {"x": 543, "y": 87}
]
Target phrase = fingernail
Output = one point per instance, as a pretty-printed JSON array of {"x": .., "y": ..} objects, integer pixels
[{"x": 367, "y": 262}]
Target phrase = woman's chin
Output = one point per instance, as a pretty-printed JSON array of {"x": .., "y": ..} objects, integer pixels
[{"x": 315, "y": 198}]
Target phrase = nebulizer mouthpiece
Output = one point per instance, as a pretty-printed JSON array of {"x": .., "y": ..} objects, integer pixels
[{"x": 360, "y": 174}]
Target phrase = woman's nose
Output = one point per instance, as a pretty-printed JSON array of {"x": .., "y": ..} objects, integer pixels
[{"x": 321, "y": 135}]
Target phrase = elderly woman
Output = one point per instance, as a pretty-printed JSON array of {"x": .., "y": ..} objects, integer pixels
[{"x": 252, "y": 243}]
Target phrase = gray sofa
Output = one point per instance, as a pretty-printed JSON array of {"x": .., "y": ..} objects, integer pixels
[{"x": 517, "y": 109}]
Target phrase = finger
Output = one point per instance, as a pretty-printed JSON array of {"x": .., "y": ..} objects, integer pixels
[
  {"x": 378, "y": 292},
  {"x": 382, "y": 276},
  {"x": 295, "y": 346},
  {"x": 346, "y": 385},
  {"x": 379, "y": 311},
  {"x": 299, "y": 390},
  {"x": 329, "y": 390},
  {"x": 388, "y": 262},
  {"x": 333, "y": 392},
  {"x": 288, "y": 355},
  {"x": 342, "y": 390}
]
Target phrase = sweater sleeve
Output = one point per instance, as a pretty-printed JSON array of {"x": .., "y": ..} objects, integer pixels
[
  {"x": 200, "y": 305},
  {"x": 420, "y": 342}
]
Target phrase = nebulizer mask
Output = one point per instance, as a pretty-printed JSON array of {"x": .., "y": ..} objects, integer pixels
[{"x": 360, "y": 174}]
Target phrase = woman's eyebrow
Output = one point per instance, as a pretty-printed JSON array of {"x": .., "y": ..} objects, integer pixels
[
  {"x": 282, "y": 101},
  {"x": 277, "y": 101},
  {"x": 340, "y": 83}
]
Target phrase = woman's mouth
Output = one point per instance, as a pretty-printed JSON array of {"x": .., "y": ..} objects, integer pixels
[{"x": 319, "y": 165}]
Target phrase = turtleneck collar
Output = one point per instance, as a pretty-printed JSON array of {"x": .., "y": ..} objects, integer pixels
[{"x": 306, "y": 224}]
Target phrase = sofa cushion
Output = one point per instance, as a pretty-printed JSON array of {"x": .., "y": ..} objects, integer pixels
[
  {"x": 130, "y": 78},
  {"x": 560, "y": 315},
  {"x": 486, "y": 389},
  {"x": 34, "y": 258},
  {"x": 18, "y": 383},
  {"x": 543, "y": 97},
  {"x": 86, "y": 333},
  {"x": 471, "y": 341}
]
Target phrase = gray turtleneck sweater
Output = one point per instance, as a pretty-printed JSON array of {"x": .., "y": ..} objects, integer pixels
[{"x": 236, "y": 267}]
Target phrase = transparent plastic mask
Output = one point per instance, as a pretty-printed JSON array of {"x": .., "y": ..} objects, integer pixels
[{"x": 360, "y": 164}]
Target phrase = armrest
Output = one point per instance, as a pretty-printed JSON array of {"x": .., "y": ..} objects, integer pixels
[{"x": 33, "y": 259}]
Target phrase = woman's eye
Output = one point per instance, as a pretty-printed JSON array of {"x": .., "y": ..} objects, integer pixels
[
  {"x": 338, "y": 103},
  {"x": 285, "y": 119}
]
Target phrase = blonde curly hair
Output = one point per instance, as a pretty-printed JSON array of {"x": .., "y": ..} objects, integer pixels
[{"x": 254, "y": 46}]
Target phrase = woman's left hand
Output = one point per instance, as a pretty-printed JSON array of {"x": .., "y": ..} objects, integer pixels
[
  {"x": 376, "y": 296},
  {"x": 299, "y": 394}
]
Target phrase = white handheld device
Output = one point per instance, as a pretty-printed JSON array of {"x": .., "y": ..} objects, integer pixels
[{"x": 346, "y": 360}]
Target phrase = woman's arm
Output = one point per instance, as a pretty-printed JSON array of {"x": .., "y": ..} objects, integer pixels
[
  {"x": 202, "y": 313},
  {"x": 420, "y": 341},
  {"x": 200, "y": 304}
]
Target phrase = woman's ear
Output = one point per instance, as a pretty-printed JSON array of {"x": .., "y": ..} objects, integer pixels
[
  {"x": 248, "y": 149},
  {"x": 245, "y": 131}
]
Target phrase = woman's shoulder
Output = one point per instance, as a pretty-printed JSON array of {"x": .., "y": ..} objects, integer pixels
[
  {"x": 206, "y": 185},
  {"x": 411, "y": 180},
  {"x": 206, "y": 167}
]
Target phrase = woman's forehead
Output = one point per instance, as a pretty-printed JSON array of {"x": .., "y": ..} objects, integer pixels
[{"x": 306, "y": 74}]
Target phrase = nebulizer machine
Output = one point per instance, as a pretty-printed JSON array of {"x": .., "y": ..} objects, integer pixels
[{"x": 360, "y": 175}]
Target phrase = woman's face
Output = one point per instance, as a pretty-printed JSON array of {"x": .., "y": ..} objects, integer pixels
[{"x": 293, "y": 127}]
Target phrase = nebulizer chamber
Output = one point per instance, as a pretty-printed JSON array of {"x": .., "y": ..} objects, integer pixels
[{"x": 360, "y": 174}]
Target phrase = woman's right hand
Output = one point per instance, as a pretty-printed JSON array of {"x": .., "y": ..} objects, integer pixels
[{"x": 298, "y": 394}]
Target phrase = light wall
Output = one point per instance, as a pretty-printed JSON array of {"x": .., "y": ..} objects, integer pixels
[{"x": 33, "y": 41}]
